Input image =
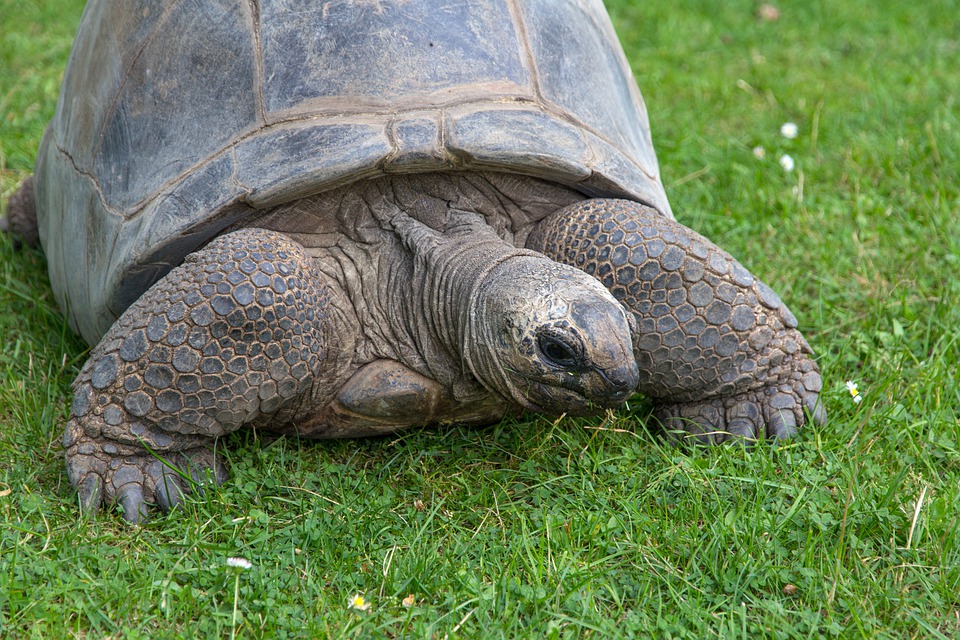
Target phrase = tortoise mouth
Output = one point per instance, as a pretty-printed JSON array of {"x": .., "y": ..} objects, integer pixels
[
  {"x": 574, "y": 394},
  {"x": 570, "y": 403}
]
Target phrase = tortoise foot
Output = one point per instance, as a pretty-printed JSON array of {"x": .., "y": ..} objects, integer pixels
[
  {"x": 106, "y": 474},
  {"x": 242, "y": 333},
  {"x": 21, "y": 220},
  {"x": 773, "y": 412}
]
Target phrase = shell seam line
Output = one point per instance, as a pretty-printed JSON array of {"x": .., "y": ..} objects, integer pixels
[
  {"x": 543, "y": 104},
  {"x": 92, "y": 178},
  {"x": 258, "y": 62},
  {"x": 230, "y": 146},
  {"x": 391, "y": 135},
  {"x": 235, "y": 171},
  {"x": 527, "y": 51}
]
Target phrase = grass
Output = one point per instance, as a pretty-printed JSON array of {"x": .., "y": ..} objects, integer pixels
[{"x": 579, "y": 529}]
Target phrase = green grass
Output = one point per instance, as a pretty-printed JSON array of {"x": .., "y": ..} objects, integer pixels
[{"x": 578, "y": 529}]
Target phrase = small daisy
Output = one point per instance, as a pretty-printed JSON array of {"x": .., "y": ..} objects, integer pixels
[
  {"x": 786, "y": 162},
  {"x": 357, "y": 603},
  {"x": 759, "y": 152},
  {"x": 854, "y": 392},
  {"x": 788, "y": 130},
  {"x": 239, "y": 565}
]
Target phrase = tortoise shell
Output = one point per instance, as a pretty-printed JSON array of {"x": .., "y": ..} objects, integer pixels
[{"x": 179, "y": 119}]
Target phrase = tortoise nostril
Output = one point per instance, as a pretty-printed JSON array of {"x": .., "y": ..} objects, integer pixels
[{"x": 623, "y": 382}]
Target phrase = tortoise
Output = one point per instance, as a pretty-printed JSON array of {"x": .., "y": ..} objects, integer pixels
[{"x": 352, "y": 218}]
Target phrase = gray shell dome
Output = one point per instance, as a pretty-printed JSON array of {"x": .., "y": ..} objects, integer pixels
[{"x": 178, "y": 118}]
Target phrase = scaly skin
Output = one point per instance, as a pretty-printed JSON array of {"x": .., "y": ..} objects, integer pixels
[
  {"x": 244, "y": 332},
  {"x": 718, "y": 352}
]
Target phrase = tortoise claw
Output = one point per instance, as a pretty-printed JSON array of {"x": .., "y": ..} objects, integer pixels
[
  {"x": 130, "y": 498},
  {"x": 169, "y": 490},
  {"x": 700, "y": 423},
  {"x": 90, "y": 491},
  {"x": 741, "y": 431},
  {"x": 746, "y": 417},
  {"x": 137, "y": 481},
  {"x": 814, "y": 407},
  {"x": 782, "y": 425},
  {"x": 744, "y": 422},
  {"x": 204, "y": 466}
]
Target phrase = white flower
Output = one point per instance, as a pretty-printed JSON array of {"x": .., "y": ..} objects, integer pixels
[
  {"x": 788, "y": 130},
  {"x": 239, "y": 563},
  {"x": 358, "y": 603},
  {"x": 786, "y": 162},
  {"x": 759, "y": 152},
  {"x": 854, "y": 392}
]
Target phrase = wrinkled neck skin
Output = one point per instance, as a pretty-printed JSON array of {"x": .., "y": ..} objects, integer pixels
[{"x": 449, "y": 274}]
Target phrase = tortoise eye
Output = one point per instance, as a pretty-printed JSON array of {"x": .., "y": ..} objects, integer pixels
[{"x": 557, "y": 351}]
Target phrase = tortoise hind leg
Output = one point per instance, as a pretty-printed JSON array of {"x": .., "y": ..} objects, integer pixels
[
  {"x": 21, "y": 218},
  {"x": 718, "y": 352},
  {"x": 245, "y": 331}
]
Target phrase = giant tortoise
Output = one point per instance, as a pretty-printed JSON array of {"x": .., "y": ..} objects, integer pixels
[{"x": 335, "y": 219}]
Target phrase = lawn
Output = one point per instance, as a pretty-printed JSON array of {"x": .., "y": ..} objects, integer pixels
[{"x": 578, "y": 528}]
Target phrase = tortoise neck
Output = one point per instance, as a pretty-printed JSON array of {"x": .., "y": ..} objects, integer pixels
[{"x": 449, "y": 272}]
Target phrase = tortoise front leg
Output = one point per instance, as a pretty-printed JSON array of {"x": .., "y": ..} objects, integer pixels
[
  {"x": 246, "y": 331},
  {"x": 718, "y": 352}
]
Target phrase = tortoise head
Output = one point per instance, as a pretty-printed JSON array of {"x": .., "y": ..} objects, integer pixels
[{"x": 551, "y": 338}]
